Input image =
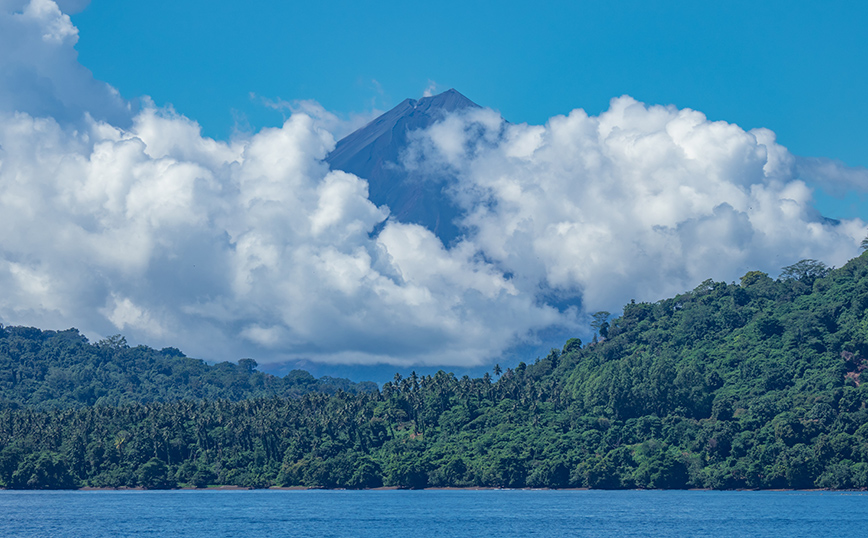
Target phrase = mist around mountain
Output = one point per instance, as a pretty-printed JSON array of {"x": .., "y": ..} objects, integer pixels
[
  {"x": 757, "y": 384},
  {"x": 375, "y": 153}
]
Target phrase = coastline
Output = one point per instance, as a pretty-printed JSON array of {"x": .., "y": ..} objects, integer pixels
[{"x": 449, "y": 488}]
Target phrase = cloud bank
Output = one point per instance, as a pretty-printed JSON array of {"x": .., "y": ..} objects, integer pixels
[
  {"x": 119, "y": 219},
  {"x": 226, "y": 248},
  {"x": 639, "y": 203}
]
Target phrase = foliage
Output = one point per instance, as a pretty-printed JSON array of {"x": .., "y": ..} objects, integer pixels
[
  {"x": 47, "y": 369},
  {"x": 751, "y": 385}
]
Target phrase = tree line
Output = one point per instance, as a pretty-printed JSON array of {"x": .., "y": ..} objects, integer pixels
[{"x": 59, "y": 369}]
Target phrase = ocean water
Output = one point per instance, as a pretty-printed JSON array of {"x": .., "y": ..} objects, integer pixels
[{"x": 500, "y": 513}]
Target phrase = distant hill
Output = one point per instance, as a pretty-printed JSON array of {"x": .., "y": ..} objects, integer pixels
[
  {"x": 374, "y": 153},
  {"x": 45, "y": 369}
]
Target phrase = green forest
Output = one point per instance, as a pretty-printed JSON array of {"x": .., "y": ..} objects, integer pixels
[
  {"x": 58, "y": 369},
  {"x": 755, "y": 384}
]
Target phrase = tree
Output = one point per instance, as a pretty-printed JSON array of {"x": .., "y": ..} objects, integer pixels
[
  {"x": 805, "y": 271},
  {"x": 752, "y": 277},
  {"x": 248, "y": 365},
  {"x": 864, "y": 244},
  {"x": 115, "y": 342},
  {"x": 573, "y": 344},
  {"x": 367, "y": 474},
  {"x": 154, "y": 475},
  {"x": 45, "y": 470},
  {"x": 601, "y": 323}
]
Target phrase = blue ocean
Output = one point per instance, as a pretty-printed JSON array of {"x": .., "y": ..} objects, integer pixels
[{"x": 501, "y": 513}]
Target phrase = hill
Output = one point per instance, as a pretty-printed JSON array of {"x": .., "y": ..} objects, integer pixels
[
  {"x": 47, "y": 369},
  {"x": 759, "y": 384}
]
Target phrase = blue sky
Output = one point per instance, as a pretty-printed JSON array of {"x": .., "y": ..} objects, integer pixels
[
  {"x": 797, "y": 68},
  {"x": 122, "y": 216}
]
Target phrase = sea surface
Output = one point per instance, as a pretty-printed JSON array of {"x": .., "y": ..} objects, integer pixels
[{"x": 500, "y": 513}]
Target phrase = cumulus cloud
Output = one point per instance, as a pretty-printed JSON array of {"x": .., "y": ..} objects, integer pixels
[
  {"x": 248, "y": 248},
  {"x": 40, "y": 71},
  {"x": 639, "y": 203},
  {"x": 122, "y": 220}
]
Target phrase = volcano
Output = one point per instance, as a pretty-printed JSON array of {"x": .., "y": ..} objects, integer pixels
[{"x": 374, "y": 153}]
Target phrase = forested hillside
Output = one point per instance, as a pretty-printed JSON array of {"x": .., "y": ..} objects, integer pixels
[
  {"x": 756, "y": 384},
  {"x": 48, "y": 369}
]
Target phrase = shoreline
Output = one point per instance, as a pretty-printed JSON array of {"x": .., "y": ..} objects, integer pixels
[{"x": 446, "y": 488}]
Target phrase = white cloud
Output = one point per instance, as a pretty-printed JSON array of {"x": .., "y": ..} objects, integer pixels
[
  {"x": 40, "y": 72},
  {"x": 638, "y": 203},
  {"x": 225, "y": 250},
  {"x": 833, "y": 175},
  {"x": 123, "y": 314},
  {"x": 430, "y": 89},
  {"x": 339, "y": 127},
  {"x": 133, "y": 221}
]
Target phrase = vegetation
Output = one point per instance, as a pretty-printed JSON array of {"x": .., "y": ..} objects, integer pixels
[
  {"x": 758, "y": 384},
  {"x": 51, "y": 369}
]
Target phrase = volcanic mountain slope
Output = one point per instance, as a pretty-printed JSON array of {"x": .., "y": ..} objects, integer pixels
[{"x": 374, "y": 152}]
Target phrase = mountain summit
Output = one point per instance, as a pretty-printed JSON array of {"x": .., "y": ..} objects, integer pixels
[{"x": 374, "y": 153}]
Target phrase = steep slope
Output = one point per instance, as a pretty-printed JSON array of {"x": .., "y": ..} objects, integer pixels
[{"x": 374, "y": 153}]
